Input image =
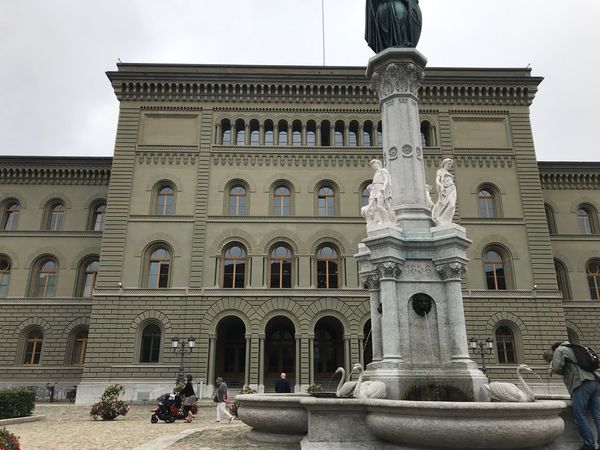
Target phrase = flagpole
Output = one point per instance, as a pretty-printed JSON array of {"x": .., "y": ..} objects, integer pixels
[{"x": 323, "y": 27}]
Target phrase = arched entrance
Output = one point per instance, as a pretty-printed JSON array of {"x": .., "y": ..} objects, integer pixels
[
  {"x": 230, "y": 355},
  {"x": 367, "y": 344},
  {"x": 280, "y": 351},
  {"x": 328, "y": 349}
]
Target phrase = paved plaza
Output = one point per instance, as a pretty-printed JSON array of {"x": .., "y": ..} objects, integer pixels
[{"x": 68, "y": 427}]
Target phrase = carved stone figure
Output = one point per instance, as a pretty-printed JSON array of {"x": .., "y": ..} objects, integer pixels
[
  {"x": 367, "y": 389},
  {"x": 508, "y": 392},
  {"x": 346, "y": 386},
  {"x": 392, "y": 23},
  {"x": 443, "y": 211},
  {"x": 378, "y": 212}
]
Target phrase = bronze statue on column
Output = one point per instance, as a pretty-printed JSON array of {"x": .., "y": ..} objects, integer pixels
[{"x": 392, "y": 23}]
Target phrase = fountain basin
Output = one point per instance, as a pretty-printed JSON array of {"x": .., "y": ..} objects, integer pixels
[
  {"x": 460, "y": 425},
  {"x": 274, "y": 418}
]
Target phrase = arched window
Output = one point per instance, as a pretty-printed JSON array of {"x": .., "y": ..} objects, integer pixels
[
  {"x": 487, "y": 203},
  {"x": 311, "y": 133},
  {"x": 283, "y": 133},
  {"x": 592, "y": 271},
  {"x": 269, "y": 140},
  {"x": 338, "y": 134},
  {"x": 4, "y": 275},
  {"x": 98, "y": 216},
  {"x": 165, "y": 200},
  {"x": 364, "y": 195},
  {"x": 586, "y": 220},
  {"x": 159, "y": 268},
  {"x": 562, "y": 278},
  {"x": 281, "y": 267},
  {"x": 379, "y": 134},
  {"x": 353, "y": 134},
  {"x": 281, "y": 201},
  {"x": 150, "y": 344},
  {"x": 505, "y": 345},
  {"x": 45, "y": 280},
  {"x": 234, "y": 267},
  {"x": 296, "y": 133},
  {"x": 11, "y": 216},
  {"x": 327, "y": 267},
  {"x": 325, "y": 133},
  {"x": 254, "y": 132},
  {"x": 326, "y": 201},
  {"x": 33, "y": 347},
  {"x": 428, "y": 135},
  {"x": 494, "y": 267},
  {"x": 240, "y": 132},
  {"x": 80, "y": 340},
  {"x": 55, "y": 216},
  {"x": 367, "y": 133},
  {"x": 226, "y": 132},
  {"x": 550, "y": 218},
  {"x": 89, "y": 273},
  {"x": 237, "y": 201}
]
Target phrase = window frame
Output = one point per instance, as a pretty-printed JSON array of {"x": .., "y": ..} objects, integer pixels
[
  {"x": 10, "y": 215},
  {"x": 279, "y": 198},
  {"x": 159, "y": 349},
  {"x": 35, "y": 358},
  {"x": 158, "y": 207},
  {"x": 289, "y": 258},
  {"x": 229, "y": 195},
  {"x": 5, "y": 274},
  {"x": 514, "y": 343},
  {"x": 593, "y": 278},
  {"x": 506, "y": 267},
  {"x": 97, "y": 212},
  {"x": 327, "y": 261},
  {"x": 319, "y": 197},
  {"x": 37, "y": 274},
  {"x": 562, "y": 279},
  {"x": 78, "y": 346},
  {"x": 225, "y": 258},
  {"x": 160, "y": 262},
  {"x": 592, "y": 219},
  {"x": 54, "y": 219},
  {"x": 82, "y": 276}
]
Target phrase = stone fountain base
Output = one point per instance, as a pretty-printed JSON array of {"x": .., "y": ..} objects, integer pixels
[{"x": 405, "y": 425}]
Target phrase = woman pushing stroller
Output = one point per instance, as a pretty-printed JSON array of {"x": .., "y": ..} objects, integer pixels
[{"x": 189, "y": 403}]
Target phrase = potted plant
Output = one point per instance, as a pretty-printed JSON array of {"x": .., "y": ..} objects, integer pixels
[{"x": 8, "y": 441}]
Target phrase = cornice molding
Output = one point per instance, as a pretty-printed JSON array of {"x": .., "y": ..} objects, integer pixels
[
  {"x": 52, "y": 234},
  {"x": 167, "y": 157},
  {"x": 79, "y": 175},
  {"x": 572, "y": 179}
]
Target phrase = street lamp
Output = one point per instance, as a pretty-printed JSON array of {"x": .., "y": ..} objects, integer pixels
[
  {"x": 191, "y": 342},
  {"x": 485, "y": 348}
]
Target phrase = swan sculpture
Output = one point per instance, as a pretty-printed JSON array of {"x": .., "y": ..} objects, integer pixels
[
  {"x": 508, "y": 392},
  {"x": 345, "y": 387},
  {"x": 367, "y": 389}
]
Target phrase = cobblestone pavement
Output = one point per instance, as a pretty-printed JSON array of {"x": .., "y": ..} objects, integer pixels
[{"x": 69, "y": 427}]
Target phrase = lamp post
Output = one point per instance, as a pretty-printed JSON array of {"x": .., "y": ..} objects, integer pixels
[
  {"x": 191, "y": 342},
  {"x": 485, "y": 348}
]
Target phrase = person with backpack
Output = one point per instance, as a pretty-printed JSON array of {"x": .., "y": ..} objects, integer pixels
[{"x": 578, "y": 366}]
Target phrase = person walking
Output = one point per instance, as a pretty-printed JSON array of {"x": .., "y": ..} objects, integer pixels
[
  {"x": 282, "y": 386},
  {"x": 221, "y": 399},
  {"x": 583, "y": 386},
  {"x": 190, "y": 399}
]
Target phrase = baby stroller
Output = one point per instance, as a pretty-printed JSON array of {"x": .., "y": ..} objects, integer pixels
[{"x": 167, "y": 409}]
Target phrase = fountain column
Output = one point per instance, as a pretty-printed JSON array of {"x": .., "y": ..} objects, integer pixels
[{"x": 422, "y": 334}]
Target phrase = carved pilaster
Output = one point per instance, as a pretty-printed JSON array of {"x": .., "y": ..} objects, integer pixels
[
  {"x": 397, "y": 78},
  {"x": 389, "y": 270},
  {"x": 451, "y": 271}
]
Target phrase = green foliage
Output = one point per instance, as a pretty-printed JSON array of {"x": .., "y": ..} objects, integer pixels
[
  {"x": 8, "y": 441},
  {"x": 16, "y": 403},
  {"x": 313, "y": 388},
  {"x": 110, "y": 405},
  {"x": 233, "y": 408},
  {"x": 178, "y": 388}
]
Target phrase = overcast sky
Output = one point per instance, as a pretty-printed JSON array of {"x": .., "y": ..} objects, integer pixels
[{"x": 56, "y": 100}]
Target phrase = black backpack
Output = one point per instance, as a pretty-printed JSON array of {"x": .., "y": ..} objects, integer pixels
[{"x": 587, "y": 359}]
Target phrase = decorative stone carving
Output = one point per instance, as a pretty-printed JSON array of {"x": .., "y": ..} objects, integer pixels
[
  {"x": 396, "y": 79},
  {"x": 393, "y": 152},
  {"x": 443, "y": 211},
  {"x": 406, "y": 150},
  {"x": 389, "y": 270},
  {"x": 451, "y": 271},
  {"x": 378, "y": 212},
  {"x": 418, "y": 271},
  {"x": 371, "y": 281},
  {"x": 167, "y": 158}
]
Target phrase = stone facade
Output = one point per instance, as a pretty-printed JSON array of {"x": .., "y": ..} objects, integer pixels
[{"x": 213, "y": 133}]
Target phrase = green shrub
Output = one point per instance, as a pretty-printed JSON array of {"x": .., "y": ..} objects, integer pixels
[
  {"x": 8, "y": 441},
  {"x": 110, "y": 405},
  {"x": 16, "y": 403}
]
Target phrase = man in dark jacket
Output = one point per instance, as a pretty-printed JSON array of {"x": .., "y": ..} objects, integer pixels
[
  {"x": 282, "y": 386},
  {"x": 584, "y": 388}
]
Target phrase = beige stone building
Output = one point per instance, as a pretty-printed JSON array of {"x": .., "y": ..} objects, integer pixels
[{"x": 229, "y": 214}]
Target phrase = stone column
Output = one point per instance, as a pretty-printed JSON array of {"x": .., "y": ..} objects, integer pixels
[
  {"x": 346, "y": 140},
  {"x": 233, "y": 135},
  {"x": 372, "y": 282},
  {"x": 247, "y": 134},
  {"x": 347, "y": 355},
  {"x": 261, "y": 363},
  {"x": 388, "y": 273},
  {"x": 361, "y": 352},
  {"x": 219, "y": 137},
  {"x": 248, "y": 337},
  {"x": 212, "y": 361},
  {"x": 318, "y": 135},
  {"x": 261, "y": 134},
  {"x": 311, "y": 358},
  {"x": 360, "y": 139},
  {"x": 303, "y": 143},
  {"x": 396, "y": 75},
  {"x": 297, "y": 365},
  {"x": 275, "y": 134}
]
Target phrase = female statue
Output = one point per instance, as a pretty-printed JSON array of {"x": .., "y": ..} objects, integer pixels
[
  {"x": 443, "y": 210},
  {"x": 392, "y": 23}
]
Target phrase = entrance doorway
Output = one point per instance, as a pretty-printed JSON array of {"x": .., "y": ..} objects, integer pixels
[
  {"x": 280, "y": 351},
  {"x": 230, "y": 358},
  {"x": 329, "y": 349}
]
